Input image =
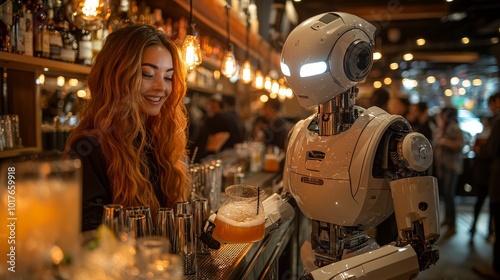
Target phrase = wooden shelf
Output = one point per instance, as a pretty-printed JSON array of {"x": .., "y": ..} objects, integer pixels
[{"x": 25, "y": 62}]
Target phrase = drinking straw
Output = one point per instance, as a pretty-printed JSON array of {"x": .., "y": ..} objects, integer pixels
[{"x": 258, "y": 199}]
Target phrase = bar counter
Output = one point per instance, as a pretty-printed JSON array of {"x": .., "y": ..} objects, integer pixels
[{"x": 252, "y": 260}]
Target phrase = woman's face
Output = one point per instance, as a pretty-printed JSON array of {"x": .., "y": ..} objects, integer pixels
[{"x": 157, "y": 73}]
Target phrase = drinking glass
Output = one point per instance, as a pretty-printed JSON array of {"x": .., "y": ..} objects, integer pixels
[
  {"x": 165, "y": 226},
  {"x": 40, "y": 203},
  {"x": 240, "y": 219},
  {"x": 112, "y": 217},
  {"x": 137, "y": 225},
  {"x": 155, "y": 261}
]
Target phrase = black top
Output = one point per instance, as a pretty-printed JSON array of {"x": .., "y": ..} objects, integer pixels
[{"x": 96, "y": 190}]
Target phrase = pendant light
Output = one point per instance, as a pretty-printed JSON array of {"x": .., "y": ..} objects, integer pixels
[
  {"x": 258, "y": 82},
  {"x": 191, "y": 51},
  {"x": 246, "y": 73},
  {"x": 229, "y": 63},
  {"x": 89, "y": 14}
]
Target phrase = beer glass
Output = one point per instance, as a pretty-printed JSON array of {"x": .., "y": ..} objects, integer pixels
[{"x": 240, "y": 219}]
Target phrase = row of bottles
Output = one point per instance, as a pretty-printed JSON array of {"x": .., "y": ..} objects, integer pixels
[
  {"x": 44, "y": 29},
  {"x": 41, "y": 29}
]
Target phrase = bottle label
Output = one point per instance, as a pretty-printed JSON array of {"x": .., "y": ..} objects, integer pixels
[
  {"x": 28, "y": 43},
  {"x": 85, "y": 50},
  {"x": 68, "y": 55},
  {"x": 46, "y": 42}
]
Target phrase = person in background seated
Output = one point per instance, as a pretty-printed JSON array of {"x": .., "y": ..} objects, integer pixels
[{"x": 132, "y": 136}]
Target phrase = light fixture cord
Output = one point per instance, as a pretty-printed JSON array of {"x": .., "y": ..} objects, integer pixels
[
  {"x": 191, "y": 22},
  {"x": 248, "y": 33},
  {"x": 228, "y": 7}
]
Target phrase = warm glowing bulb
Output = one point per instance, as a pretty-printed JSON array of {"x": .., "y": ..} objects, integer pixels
[
  {"x": 258, "y": 82},
  {"x": 264, "y": 98},
  {"x": 394, "y": 66},
  {"x": 89, "y": 14},
  {"x": 246, "y": 72},
  {"x": 229, "y": 65},
  {"x": 275, "y": 87},
  {"x": 89, "y": 8},
  {"x": 268, "y": 83},
  {"x": 377, "y": 55},
  {"x": 408, "y": 56},
  {"x": 191, "y": 52},
  {"x": 60, "y": 81}
]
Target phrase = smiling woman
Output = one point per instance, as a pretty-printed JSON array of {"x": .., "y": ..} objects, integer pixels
[{"x": 131, "y": 138}]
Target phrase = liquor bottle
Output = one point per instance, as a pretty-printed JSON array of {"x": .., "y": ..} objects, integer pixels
[
  {"x": 69, "y": 42},
  {"x": 5, "y": 25},
  {"x": 121, "y": 18},
  {"x": 41, "y": 39},
  {"x": 55, "y": 38},
  {"x": 18, "y": 31},
  {"x": 84, "y": 47},
  {"x": 97, "y": 39},
  {"x": 28, "y": 36}
]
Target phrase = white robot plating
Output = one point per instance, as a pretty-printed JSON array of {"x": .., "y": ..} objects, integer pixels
[{"x": 349, "y": 168}]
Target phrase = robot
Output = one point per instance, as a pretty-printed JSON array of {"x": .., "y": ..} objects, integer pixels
[{"x": 349, "y": 168}]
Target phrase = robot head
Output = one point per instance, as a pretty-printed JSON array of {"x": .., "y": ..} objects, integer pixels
[{"x": 326, "y": 55}]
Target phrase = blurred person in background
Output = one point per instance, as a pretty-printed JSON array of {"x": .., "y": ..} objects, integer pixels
[
  {"x": 380, "y": 98},
  {"x": 449, "y": 162},
  {"x": 270, "y": 128},
  {"x": 399, "y": 106},
  {"x": 219, "y": 131},
  {"x": 481, "y": 169}
]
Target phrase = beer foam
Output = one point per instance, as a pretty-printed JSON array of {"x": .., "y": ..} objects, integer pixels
[{"x": 241, "y": 215}]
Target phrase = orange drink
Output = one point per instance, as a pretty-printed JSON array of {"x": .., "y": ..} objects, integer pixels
[
  {"x": 241, "y": 217},
  {"x": 230, "y": 231}
]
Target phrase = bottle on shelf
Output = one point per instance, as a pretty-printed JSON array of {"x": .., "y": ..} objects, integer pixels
[
  {"x": 121, "y": 18},
  {"x": 5, "y": 25},
  {"x": 28, "y": 35},
  {"x": 69, "y": 47},
  {"x": 18, "y": 31},
  {"x": 55, "y": 38},
  {"x": 41, "y": 39},
  {"x": 84, "y": 47}
]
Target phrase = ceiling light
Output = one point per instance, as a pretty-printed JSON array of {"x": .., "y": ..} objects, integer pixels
[
  {"x": 408, "y": 56},
  {"x": 246, "y": 73},
  {"x": 229, "y": 63},
  {"x": 191, "y": 51},
  {"x": 465, "y": 40},
  {"x": 89, "y": 14},
  {"x": 421, "y": 42}
]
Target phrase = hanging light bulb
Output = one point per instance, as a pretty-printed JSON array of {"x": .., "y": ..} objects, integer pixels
[
  {"x": 229, "y": 63},
  {"x": 246, "y": 73},
  {"x": 258, "y": 82},
  {"x": 191, "y": 51},
  {"x": 89, "y": 14},
  {"x": 268, "y": 83}
]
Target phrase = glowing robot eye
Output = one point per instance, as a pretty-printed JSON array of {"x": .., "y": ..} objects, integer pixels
[
  {"x": 313, "y": 69},
  {"x": 284, "y": 69}
]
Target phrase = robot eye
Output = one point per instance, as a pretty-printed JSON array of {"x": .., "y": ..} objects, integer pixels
[{"x": 358, "y": 60}]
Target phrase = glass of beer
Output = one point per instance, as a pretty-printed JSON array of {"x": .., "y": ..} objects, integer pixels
[{"x": 240, "y": 219}]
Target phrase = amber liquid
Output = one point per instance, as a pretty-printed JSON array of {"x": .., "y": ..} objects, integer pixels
[{"x": 227, "y": 232}]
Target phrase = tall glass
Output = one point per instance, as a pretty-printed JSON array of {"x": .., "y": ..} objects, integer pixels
[
  {"x": 40, "y": 201},
  {"x": 240, "y": 219}
]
